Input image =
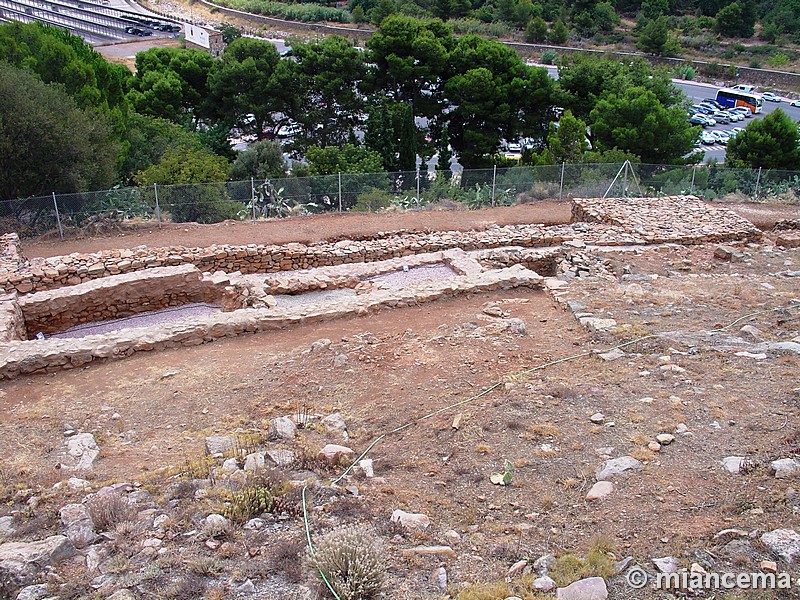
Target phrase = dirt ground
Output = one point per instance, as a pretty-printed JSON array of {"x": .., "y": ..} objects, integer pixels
[
  {"x": 151, "y": 413},
  {"x": 334, "y": 226}
]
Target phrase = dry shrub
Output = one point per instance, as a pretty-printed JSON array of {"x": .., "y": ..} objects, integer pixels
[
  {"x": 543, "y": 430},
  {"x": 541, "y": 190},
  {"x": 107, "y": 510},
  {"x": 351, "y": 559},
  {"x": 285, "y": 559},
  {"x": 204, "y": 565},
  {"x": 187, "y": 587}
]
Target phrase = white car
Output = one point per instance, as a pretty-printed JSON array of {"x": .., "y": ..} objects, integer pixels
[
  {"x": 708, "y": 138},
  {"x": 794, "y": 103},
  {"x": 771, "y": 97},
  {"x": 735, "y": 117}
]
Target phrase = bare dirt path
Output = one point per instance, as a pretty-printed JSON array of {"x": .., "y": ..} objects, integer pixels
[{"x": 329, "y": 226}]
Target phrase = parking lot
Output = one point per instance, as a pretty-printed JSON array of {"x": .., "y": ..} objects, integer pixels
[{"x": 716, "y": 151}]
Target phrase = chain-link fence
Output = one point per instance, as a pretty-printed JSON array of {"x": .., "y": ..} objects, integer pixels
[{"x": 285, "y": 197}]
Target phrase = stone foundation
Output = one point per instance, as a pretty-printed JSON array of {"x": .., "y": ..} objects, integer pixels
[
  {"x": 11, "y": 257},
  {"x": 113, "y": 298},
  {"x": 51, "y": 295},
  {"x": 679, "y": 219},
  {"x": 37, "y": 356},
  {"x": 612, "y": 221},
  {"x": 12, "y": 321}
]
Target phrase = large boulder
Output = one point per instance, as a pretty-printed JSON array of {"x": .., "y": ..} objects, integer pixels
[
  {"x": 77, "y": 524},
  {"x": 82, "y": 451},
  {"x": 784, "y": 543},
  {"x": 592, "y": 588},
  {"x": 23, "y": 562}
]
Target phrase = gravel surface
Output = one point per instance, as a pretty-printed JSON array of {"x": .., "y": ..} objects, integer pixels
[
  {"x": 318, "y": 297},
  {"x": 156, "y": 317},
  {"x": 399, "y": 279}
]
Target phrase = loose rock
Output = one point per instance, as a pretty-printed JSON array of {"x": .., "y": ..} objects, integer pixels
[
  {"x": 77, "y": 525},
  {"x": 617, "y": 466},
  {"x": 593, "y": 588},
  {"x": 333, "y": 453},
  {"x": 282, "y": 428},
  {"x": 599, "y": 490},
  {"x": 784, "y": 543}
]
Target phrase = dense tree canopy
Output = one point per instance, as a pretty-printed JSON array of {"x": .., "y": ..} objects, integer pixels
[
  {"x": 47, "y": 142},
  {"x": 494, "y": 95},
  {"x": 171, "y": 83},
  {"x": 59, "y": 57},
  {"x": 262, "y": 160},
  {"x": 416, "y": 91},
  {"x": 250, "y": 87},
  {"x": 770, "y": 143},
  {"x": 635, "y": 121},
  {"x": 330, "y": 103}
]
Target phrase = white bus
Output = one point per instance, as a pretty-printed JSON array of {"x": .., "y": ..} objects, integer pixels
[{"x": 731, "y": 98}]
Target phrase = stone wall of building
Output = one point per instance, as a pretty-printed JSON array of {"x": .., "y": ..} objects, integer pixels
[
  {"x": 12, "y": 322},
  {"x": 55, "y": 354},
  {"x": 11, "y": 257},
  {"x": 681, "y": 219},
  {"x": 612, "y": 221},
  {"x": 121, "y": 296}
]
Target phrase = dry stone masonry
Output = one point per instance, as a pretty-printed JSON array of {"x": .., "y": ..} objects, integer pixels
[
  {"x": 678, "y": 219},
  {"x": 611, "y": 221},
  {"x": 21, "y": 357},
  {"x": 51, "y": 295}
]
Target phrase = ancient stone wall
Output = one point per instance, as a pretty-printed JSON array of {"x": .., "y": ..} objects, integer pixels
[
  {"x": 54, "y": 354},
  {"x": 11, "y": 257},
  {"x": 12, "y": 322},
  {"x": 683, "y": 219},
  {"x": 122, "y": 296}
]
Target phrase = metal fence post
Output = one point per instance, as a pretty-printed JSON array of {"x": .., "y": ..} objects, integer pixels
[
  {"x": 691, "y": 188},
  {"x": 494, "y": 181},
  {"x": 417, "y": 185},
  {"x": 625, "y": 180},
  {"x": 561, "y": 187},
  {"x": 253, "y": 198},
  {"x": 58, "y": 217},
  {"x": 158, "y": 208},
  {"x": 340, "y": 192},
  {"x": 758, "y": 181}
]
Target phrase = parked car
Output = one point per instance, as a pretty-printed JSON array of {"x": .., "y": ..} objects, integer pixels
[
  {"x": 794, "y": 103},
  {"x": 736, "y": 131},
  {"x": 721, "y": 117},
  {"x": 712, "y": 102},
  {"x": 707, "y": 137},
  {"x": 697, "y": 108},
  {"x": 138, "y": 31},
  {"x": 745, "y": 112},
  {"x": 723, "y": 137},
  {"x": 698, "y": 119},
  {"x": 735, "y": 117},
  {"x": 771, "y": 97}
]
